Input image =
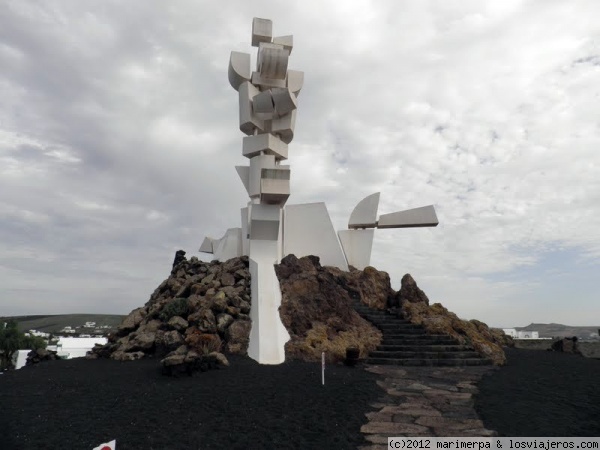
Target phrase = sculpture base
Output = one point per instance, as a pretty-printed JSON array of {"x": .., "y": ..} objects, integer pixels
[{"x": 268, "y": 335}]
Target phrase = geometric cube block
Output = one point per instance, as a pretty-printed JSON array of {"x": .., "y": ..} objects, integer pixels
[
  {"x": 263, "y": 105},
  {"x": 284, "y": 100},
  {"x": 274, "y": 191},
  {"x": 248, "y": 120},
  {"x": 284, "y": 126},
  {"x": 262, "y": 31},
  {"x": 286, "y": 41},
  {"x": 275, "y": 173},
  {"x": 264, "y": 222},
  {"x": 267, "y": 143},
  {"x": 275, "y": 185},
  {"x": 272, "y": 61},
  {"x": 264, "y": 82},
  {"x": 257, "y": 164}
]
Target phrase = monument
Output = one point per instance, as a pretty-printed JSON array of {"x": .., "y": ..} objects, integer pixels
[{"x": 270, "y": 230}]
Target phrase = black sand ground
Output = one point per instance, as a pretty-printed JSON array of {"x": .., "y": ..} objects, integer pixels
[
  {"x": 541, "y": 393},
  {"x": 80, "y": 403}
]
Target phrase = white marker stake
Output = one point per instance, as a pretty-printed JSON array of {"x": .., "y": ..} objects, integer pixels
[{"x": 323, "y": 368}]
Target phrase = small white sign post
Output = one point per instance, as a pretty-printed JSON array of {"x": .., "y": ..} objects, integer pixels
[{"x": 323, "y": 368}]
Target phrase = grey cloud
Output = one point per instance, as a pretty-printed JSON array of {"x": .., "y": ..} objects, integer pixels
[{"x": 137, "y": 95}]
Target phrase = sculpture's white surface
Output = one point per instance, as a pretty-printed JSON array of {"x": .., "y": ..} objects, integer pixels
[
  {"x": 229, "y": 246},
  {"x": 308, "y": 231},
  {"x": 364, "y": 214},
  {"x": 357, "y": 245},
  {"x": 207, "y": 245},
  {"x": 267, "y": 116},
  {"x": 239, "y": 69},
  {"x": 267, "y": 335},
  {"x": 417, "y": 217},
  {"x": 357, "y": 242}
]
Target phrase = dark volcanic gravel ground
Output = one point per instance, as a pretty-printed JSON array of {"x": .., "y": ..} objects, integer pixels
[
  {"x": 541, "y": 393},
  {"x": 79, "y": 403}
]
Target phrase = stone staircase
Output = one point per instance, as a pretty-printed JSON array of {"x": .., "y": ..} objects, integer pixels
[{"x": 406, "y": 344}]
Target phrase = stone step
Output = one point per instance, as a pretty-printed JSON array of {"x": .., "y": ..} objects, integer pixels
[
  {"x": 389, "y": 320},
  {"x": 399, "y": 330},
  {"x": 407, "y": 344},
  {"x": 379, "y": 314},
  {"x": 359, "y": 305},
  {"x": 394, "y": 322},
  {"x": 374, "y": 313},
  {"x": 424, "y": 348},
  {"x": 424, "y": 337},
  {"x": 430, "y": 362},
  {"x": 400, "y": 333},
  {"x": 423, "y": 354},
  {"x": 367, "y": 309},
  {"x": 384, "y": 315},
  {"x": 419, "y": 340}
]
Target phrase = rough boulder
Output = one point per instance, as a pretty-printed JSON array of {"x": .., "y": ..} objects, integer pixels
[
  {"x": 39, "y": 355},
  {"x": 316, "y": 309},
  {"x": 409, "y": 293},
  {"x": 566, "y": 345}
]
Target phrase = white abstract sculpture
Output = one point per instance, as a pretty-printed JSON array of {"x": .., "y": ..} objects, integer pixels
[
  {"x": 357, "y": 241},
  {"x": 267, "y": 107},
  {"x": 267, "y": 115}
]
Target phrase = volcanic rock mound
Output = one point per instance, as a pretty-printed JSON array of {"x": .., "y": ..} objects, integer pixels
[{"x": 203, "y": 308}]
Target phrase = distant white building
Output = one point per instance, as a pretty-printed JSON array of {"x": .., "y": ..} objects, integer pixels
[
  {"x": 89, "y": 325},
  {"x": 521, "y": 334},
  {"x": 37, "y": 333},
  {"x": 72, "y": 347}
]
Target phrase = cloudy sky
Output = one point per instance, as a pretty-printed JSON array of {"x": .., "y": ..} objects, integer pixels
[{"x": 119, "y": 135}]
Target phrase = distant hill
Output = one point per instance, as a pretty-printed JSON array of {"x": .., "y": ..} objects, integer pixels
[
  {"x": 559, "y": 330},
  {"x": 55, "y": 323}
]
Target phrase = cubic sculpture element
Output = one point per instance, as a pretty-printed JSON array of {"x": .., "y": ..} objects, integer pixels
[{"x": 268, "y": 101}]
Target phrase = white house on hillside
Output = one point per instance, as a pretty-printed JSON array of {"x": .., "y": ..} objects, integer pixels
[
  {"x": 521, "y": 334},
  {"x": 38, "y": 334}
]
